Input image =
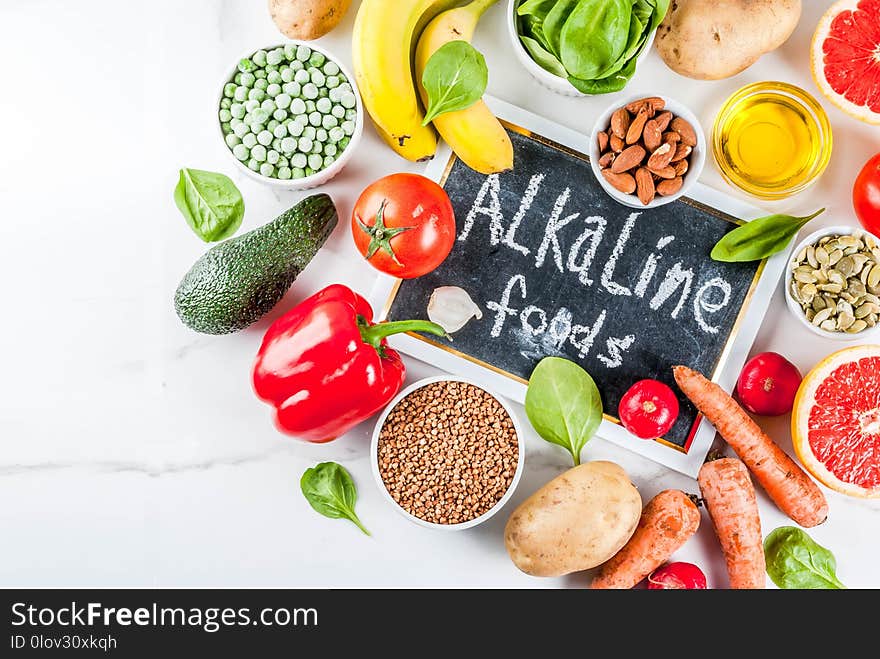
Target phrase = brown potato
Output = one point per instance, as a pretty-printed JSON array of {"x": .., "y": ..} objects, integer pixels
[
  {"x": 575, "y": 522},
  {"x": 307, "y": 19},
  {"x": 718, "y": 39}
]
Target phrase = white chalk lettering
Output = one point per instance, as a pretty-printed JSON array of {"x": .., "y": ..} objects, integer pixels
[
  {"x": 616, "y": 348},
  {"x": 651, "y": 267},
  {"x": 594, "y": 233},
  {"x": 491, "y": 187},
  {"x": 502, "y": 310},
  {"x": 585, "y": 344},
  {"x": 554, "y": 224},
  {"x": 524, "y": 206},
  {"x": 702, "y": 303},
  {"x": 676, "y": 277},
  {"x": 527, "y": 326},
  {"x": 608, "y": 271},
  {"x": 560, "y": 327}
]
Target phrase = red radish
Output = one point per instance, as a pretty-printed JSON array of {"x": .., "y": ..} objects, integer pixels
[
  {"x": 649, "y": 409},
  {"x": 768, "y": 384},
  {"x": 677, "y": 576}
]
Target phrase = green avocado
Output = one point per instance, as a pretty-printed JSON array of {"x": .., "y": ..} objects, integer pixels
[{"x": 240, "y": 280}]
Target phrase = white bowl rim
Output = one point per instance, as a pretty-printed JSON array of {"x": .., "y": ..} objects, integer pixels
[
  {"x": 795, "y": 308},
  {"x": 374, "y": 453},
  {"x": 550, "y": 81},
  {"x": 695, "y": 168},
  {"x": 318, "y": 178}
]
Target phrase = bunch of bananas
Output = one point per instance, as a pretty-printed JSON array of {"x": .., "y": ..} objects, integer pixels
[{"x": 386, "y": 33}]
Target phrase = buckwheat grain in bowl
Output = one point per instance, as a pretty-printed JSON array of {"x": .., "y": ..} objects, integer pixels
[{"x": 447, "y": 453}]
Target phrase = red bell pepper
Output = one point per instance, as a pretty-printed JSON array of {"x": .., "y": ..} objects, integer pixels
[{"x": 326, "y": 367}]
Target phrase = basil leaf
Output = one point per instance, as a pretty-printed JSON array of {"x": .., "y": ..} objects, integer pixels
[
  {"x": 796, "y": 561},
  {"x": 455, "y": 78},
  {"x": 594, "y": 38},
  {"x": 760, "y": 238},
  {"x": 210, "y": 203},
  {"x": 563, "y": 404},
  {"x": 543, "y": 57},
  {"x": 329, "y": 489}
]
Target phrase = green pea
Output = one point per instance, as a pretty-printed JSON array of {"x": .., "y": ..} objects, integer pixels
[
  {"x": 268, "y": 105},
  {"x": 260, "y": 115},
  {"x": 249, "y": 140},
  {"x": 338, "y": 111},
  {"x": 273, "y": 90},
  {"x": 348, "y": 127},
  {"x": 332, "y": 82},
  {"x": 259, "y": 152},
  {"x": 317, "y": 78},
  {"x": 270, "y": 68},
  {"x": 344, "y": 142},
  {"x": 317, "y": 147},
  {"x": 280, "y": 114},
  {"x": 240, "y": 94},
  {"x": 266, "y": 169},
  {"x": 310, "y": 91},
  {"x": 282, "y": 101},
  {"x": 256, "y": 128},
  {"x": 250, "y": 105},
  {"x": 295, "y": 128},
  {"x": 323, "y": 105},
  {"x": 311, "y": 106},
  {"x": 288, "y": 145},
  {"x": 348, "y": 101},
  {"x": 310, "y": 132},
  {"x": 323, "y": 92},
  {"x": 284, "y": 173},
  {"x": 331, "y": 68},
  {"x": 309, "y": 171},
  {"x": 254, "y": 164},
  {"x": 241, "y": 129},
  {"x": 280, "y": 130},
  {"x": 237, "y": 78},
  {"x": 225, "y": 115},
  {"x": 287, "y": 74},
  {"x": 260, "y": 74},
  {"x": 241, "y": 152},
  {"x": 274, "y": 57},
  {"x": 232, "y": 140},
  {"x": 296, "y": 65},
  {"x": 302, "y": 77},
  {"x": 345, "y": 87},
  {"x": 256, "y": 94},
  {"x": 328, "y": 160},
  {"x": 237, "y": 110},
  {"x": 282, "y": 161},
  {"x": 299, "y": 160},
  {"x": 259, "y": 58},
  {"x": 225, "y": 103},
  {"x": 315, "y": 118},
  {"x": 351, "y": 115},
  {"x": 329, "y": 121},
  {"x": 303, "y": 53},
  {"x": 264, "y": 137},
  {"x": 226, "y": 128},
  {"x": 261, "y": 84},
  {"x": 336, "y": 95},
  {"x": 248, "y": 79},
  {"x": 305, "y": 144},
  {"x": 272, "y": 157},
  {"x": 272, "y": 125},
  {"x": 229, "y": 89},
  {"x": 336, "y": 134},
  {"x": 292, "y": 89},
  {"x": 274, "y": 77},
  {"x": 321, "y": 135},
  {"x": 317, "y": 59},
  {"x": 290, "y": 51},
  {"x": 276, "y": 144},
  {"x": 246, "y": 65},
  {"x": 297, "y": 106},
  {"x": 298, "y": 172}
]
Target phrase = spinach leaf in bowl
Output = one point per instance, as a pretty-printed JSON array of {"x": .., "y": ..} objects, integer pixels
[{"x": 594, "y": 37}]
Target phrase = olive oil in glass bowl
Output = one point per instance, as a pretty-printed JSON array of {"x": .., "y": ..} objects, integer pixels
[{"x": 771, "y": 139}]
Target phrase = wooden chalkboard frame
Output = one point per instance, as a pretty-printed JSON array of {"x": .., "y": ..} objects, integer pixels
[{"x": 732, "y": 358}]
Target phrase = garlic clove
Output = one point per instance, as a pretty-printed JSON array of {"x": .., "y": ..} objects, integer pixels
[{"x": 451, "y": 307}]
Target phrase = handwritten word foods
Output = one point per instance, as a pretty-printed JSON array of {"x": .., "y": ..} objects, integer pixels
[
  {"x": 780, "y": 476},
  {"x": 836, "y": 282},
  {"x": 448, "y": 452},
  {"x": 844, "y": 58},
  {"x": 324, "y": 366},
  {"x": 288, "y": 112},
  {"x": 330, "y": 491},
  {"x": 470, "y": 129},
  {"x": 768, "y": 384},
  {"x": 240, "y": 280},
  {"x": 667, "y": 522},
  {"x": 307, "y": 19},
  {"x": 210, "y": 203},
  {"x": 706, "y": 41},
  {"x": 646, "y": 150},
  {"x": 575, "y": 522},
  {"x": 563, "y": 404},
  {"x": 733, "y": 508},
  {"x": 404, "y": 225},
  {"x": 835, "y": 425},
  {"x": 674, "y": 291},
  {"x": 594, "y": 44}
]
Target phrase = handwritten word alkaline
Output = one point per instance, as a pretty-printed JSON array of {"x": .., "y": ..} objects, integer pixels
[{"x": 288, "y": 113}]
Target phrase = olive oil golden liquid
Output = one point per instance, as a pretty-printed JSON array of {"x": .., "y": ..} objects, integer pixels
[{"x": 770, "y": 143}]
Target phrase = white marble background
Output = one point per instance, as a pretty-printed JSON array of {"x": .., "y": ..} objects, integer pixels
[{"x": 132, "y": 451}]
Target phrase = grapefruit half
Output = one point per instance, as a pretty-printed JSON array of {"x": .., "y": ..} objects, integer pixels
[
  {"x": 845, "y": 57},
  {"x": 835, "y": 425}
]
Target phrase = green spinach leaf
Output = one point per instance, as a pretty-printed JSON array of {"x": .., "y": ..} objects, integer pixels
[
  {"x": 594, "y": 37},
  {"x": 796, "y": 561},
  {"x": 544, "y": 58},
  {"x": 455, "y": 78},
  {"x": 329, "y": 489},
  {"x": 563, "y": 404},
  {"x": 555, "y": 21},
  {"x": 613, "y": 83},
  {"x": 537, "y": 8},
  {"x": 760, "y": 238},
  {"x": 210, "y": 203}
]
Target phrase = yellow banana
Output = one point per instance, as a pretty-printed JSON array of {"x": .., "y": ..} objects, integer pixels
[
  {"x": 475, "y": 134},
  {"x": 385, "y": 33}
]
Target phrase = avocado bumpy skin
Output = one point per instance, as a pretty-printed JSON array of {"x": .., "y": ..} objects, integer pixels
[{"x": 240, "y": 280}]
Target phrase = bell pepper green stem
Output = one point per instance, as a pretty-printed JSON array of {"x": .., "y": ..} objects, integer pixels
[{"x": 374, "y": 334}]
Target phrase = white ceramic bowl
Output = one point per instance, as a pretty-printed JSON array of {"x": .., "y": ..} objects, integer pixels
[
  {"x": 542, "y": 75},
  {"x": 374, "y": 455},
  {"x": 318, "y": 178},
  {"x": 697, "y": 158},
  {"x": 795, "y": 308}
]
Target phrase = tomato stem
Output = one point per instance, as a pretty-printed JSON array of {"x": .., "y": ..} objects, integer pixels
[{"x": 380, "y": 235}]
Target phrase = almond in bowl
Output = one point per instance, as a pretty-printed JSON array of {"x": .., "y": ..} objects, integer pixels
[{"x": 648, "y": 151}]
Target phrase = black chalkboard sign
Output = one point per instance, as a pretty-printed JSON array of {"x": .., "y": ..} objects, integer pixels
[{"x": 559, "y": 268}]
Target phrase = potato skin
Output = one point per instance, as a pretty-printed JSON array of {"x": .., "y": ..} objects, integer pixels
[
  {"x": 307, "y": 19},
  {"x": 711, "y": 40},
  {"x": 575, "y": 522}
]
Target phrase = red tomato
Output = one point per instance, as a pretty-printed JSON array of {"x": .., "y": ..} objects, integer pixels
[
  {"x": 649, "y": 409},
  {"x": 404, "y": 225},
  {"x": 866, "y": 195},
  {"x": 677, "y": 576}
]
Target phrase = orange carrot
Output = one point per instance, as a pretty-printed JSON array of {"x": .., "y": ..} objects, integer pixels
[
  {"x": 730, "y": 499},
  {"x": 667, "y": 521},
  {"x": 783, "y": 480}
]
